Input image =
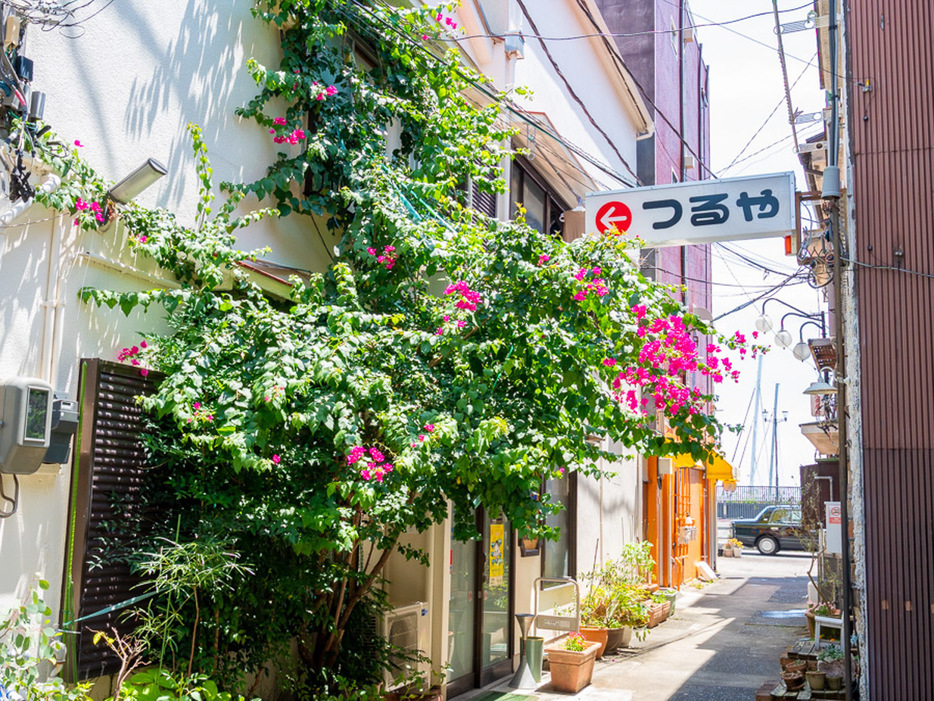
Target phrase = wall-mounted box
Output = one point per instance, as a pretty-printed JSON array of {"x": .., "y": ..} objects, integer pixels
[{"x": 26, "y": 428}]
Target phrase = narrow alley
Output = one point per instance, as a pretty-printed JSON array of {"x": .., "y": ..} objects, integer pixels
[{"x": 723, "y": 642}]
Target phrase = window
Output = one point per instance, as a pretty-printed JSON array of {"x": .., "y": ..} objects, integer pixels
[
  {"x": 558, "y": 556},
  {"x": 542, "y": 209}
]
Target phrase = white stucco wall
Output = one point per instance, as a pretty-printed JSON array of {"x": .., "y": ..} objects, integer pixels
[{"x": 126, "y": 88}]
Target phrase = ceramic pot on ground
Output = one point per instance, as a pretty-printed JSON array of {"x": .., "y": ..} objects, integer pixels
[
  {"x": 834, "y": 683},
  {"x": 614, "y": 639},
  {"x": 617, "y": 638},
  {"x": 815, "y": 680},
  {"x": 595, "y": 634}
]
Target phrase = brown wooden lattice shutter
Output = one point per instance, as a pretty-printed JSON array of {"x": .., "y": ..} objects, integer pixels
[
  {"x": 108, "y": 471},
  {"x": 483, "y": 202}
]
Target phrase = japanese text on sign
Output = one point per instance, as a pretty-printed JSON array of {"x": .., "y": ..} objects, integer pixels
[{"x": 698, "y": 212}]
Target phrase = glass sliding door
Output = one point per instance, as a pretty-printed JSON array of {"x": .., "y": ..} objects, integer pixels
[
  {"x": 463, "y": 613},
  {"x": 480, "y": 624},
  {"x": 496, "y": 612}
]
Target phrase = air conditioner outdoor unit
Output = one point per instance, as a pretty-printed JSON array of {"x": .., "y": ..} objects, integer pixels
[{"x": 408, "y": 629}]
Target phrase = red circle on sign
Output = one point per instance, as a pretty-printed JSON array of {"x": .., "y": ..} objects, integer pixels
[{"x": 613, "y": 215}]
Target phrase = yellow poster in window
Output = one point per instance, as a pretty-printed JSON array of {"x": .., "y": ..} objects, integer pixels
[{"x": 497, "y": 548}]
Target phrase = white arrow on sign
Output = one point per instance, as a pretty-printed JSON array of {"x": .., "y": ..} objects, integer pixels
[{"x": 611, "y": 214}]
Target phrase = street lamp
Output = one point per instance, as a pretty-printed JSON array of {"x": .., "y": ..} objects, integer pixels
[{"x": 783, "y": 338}]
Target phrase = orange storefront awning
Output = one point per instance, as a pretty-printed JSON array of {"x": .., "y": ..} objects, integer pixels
[{"x": 717, "y": 467}]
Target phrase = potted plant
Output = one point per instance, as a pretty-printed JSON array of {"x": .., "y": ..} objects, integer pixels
[
  {"x": 815, "y": 679},
  {"x": 824, "y": 608},
  {"x": 659, "y": 606},
  {"x": 830, "y": 662},
  {"x": 793, "y": 680},
  {"x": 594, "y": 617},
  {"x": 571, "y": 662},
  {"x": 733, "y": 548}
]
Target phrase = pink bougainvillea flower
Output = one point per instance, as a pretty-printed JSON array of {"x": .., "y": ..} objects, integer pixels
[
  {"x": 142, "y": 344},
  {"x": 280, "y": 121},
  {"x": 276, "y": 459},
  {"x": 197, "y": 405},
  {"x": 80, "y": 204},
  {"x": 421, "y": 436},
  {"x": 143, "y": 239},
  {"x": 439, "y": 331},
  {"x": 461, "y": 323},
  {"x": 144, "y": 372},
  {"x": 429, "y": 427},
  {"x": 542, "y": 259},
  {"x": 424, "y": 37},
  {"x": 331, "y": 90},
  {"x": 319, "y": 96},
  {"x": 609, "y": 362},
  {"x": 78, "y": 144}
]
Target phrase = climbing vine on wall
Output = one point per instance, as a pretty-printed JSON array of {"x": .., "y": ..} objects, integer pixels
[{"x": 444, "y": 358}]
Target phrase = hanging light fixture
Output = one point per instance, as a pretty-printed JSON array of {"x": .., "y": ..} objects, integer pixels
[
  {"x": 801, "y": 351},
  {"x": 783, "y": 338},
  {"x": 763, "y": 324},
  {"x": 820, "y": 387}
]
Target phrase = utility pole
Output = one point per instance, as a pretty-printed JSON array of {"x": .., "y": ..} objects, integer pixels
[
  {"x": 773, "y": 460},
  {"x": 755, "y": 423}
]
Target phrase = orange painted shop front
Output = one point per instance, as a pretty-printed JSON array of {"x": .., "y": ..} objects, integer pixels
[{"x": 675, "y": 504}]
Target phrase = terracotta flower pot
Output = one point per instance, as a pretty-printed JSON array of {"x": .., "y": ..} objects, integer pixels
[
  {"x": 796, "y": 666},
  {"x": 571, "y": 671},
  {"x": 595, "y": 634},
  {"x": 793, "y": 680},
  {"x": 658, "y": 612}
]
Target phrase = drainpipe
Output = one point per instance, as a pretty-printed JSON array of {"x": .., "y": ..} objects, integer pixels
[
  {"x": 831, "y": 191},
  {"x": 50, "y": 304}
]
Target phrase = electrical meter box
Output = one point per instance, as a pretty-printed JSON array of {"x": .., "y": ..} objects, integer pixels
[{"x": 26, "y": 429}]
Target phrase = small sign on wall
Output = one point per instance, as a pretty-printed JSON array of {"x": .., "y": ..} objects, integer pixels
[
  {"x": 834, "y": 533},
  {"x": 497, "y": 553}
]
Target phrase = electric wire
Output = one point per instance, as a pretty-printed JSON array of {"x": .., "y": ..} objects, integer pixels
[
  {"x": 624, "y": 71},
  {"x": 784, "y": 65},
  {"x": 574, "y": 95},
  {"x": 619, "y": 35},
  {"x": 755, "y": 259},
  {"x": 748, "y": 262},
  {"x": 506, "y": 104},
  {"x": 769, "y": 118},
  {"x": 889, "y": 267},
  {"x": 755, "y": 299}
]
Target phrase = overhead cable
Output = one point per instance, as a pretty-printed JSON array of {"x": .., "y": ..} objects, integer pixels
[
  {"x": 506, "y": 104},
  {"x": 619, "y": 35},
  {"x": 574, "y": 95},
  {"x": 624, "y": 72},
  {"x": 767, "y": 119}
]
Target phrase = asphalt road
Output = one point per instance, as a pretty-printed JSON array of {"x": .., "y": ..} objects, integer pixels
[{"x": 723, "y": 642}]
